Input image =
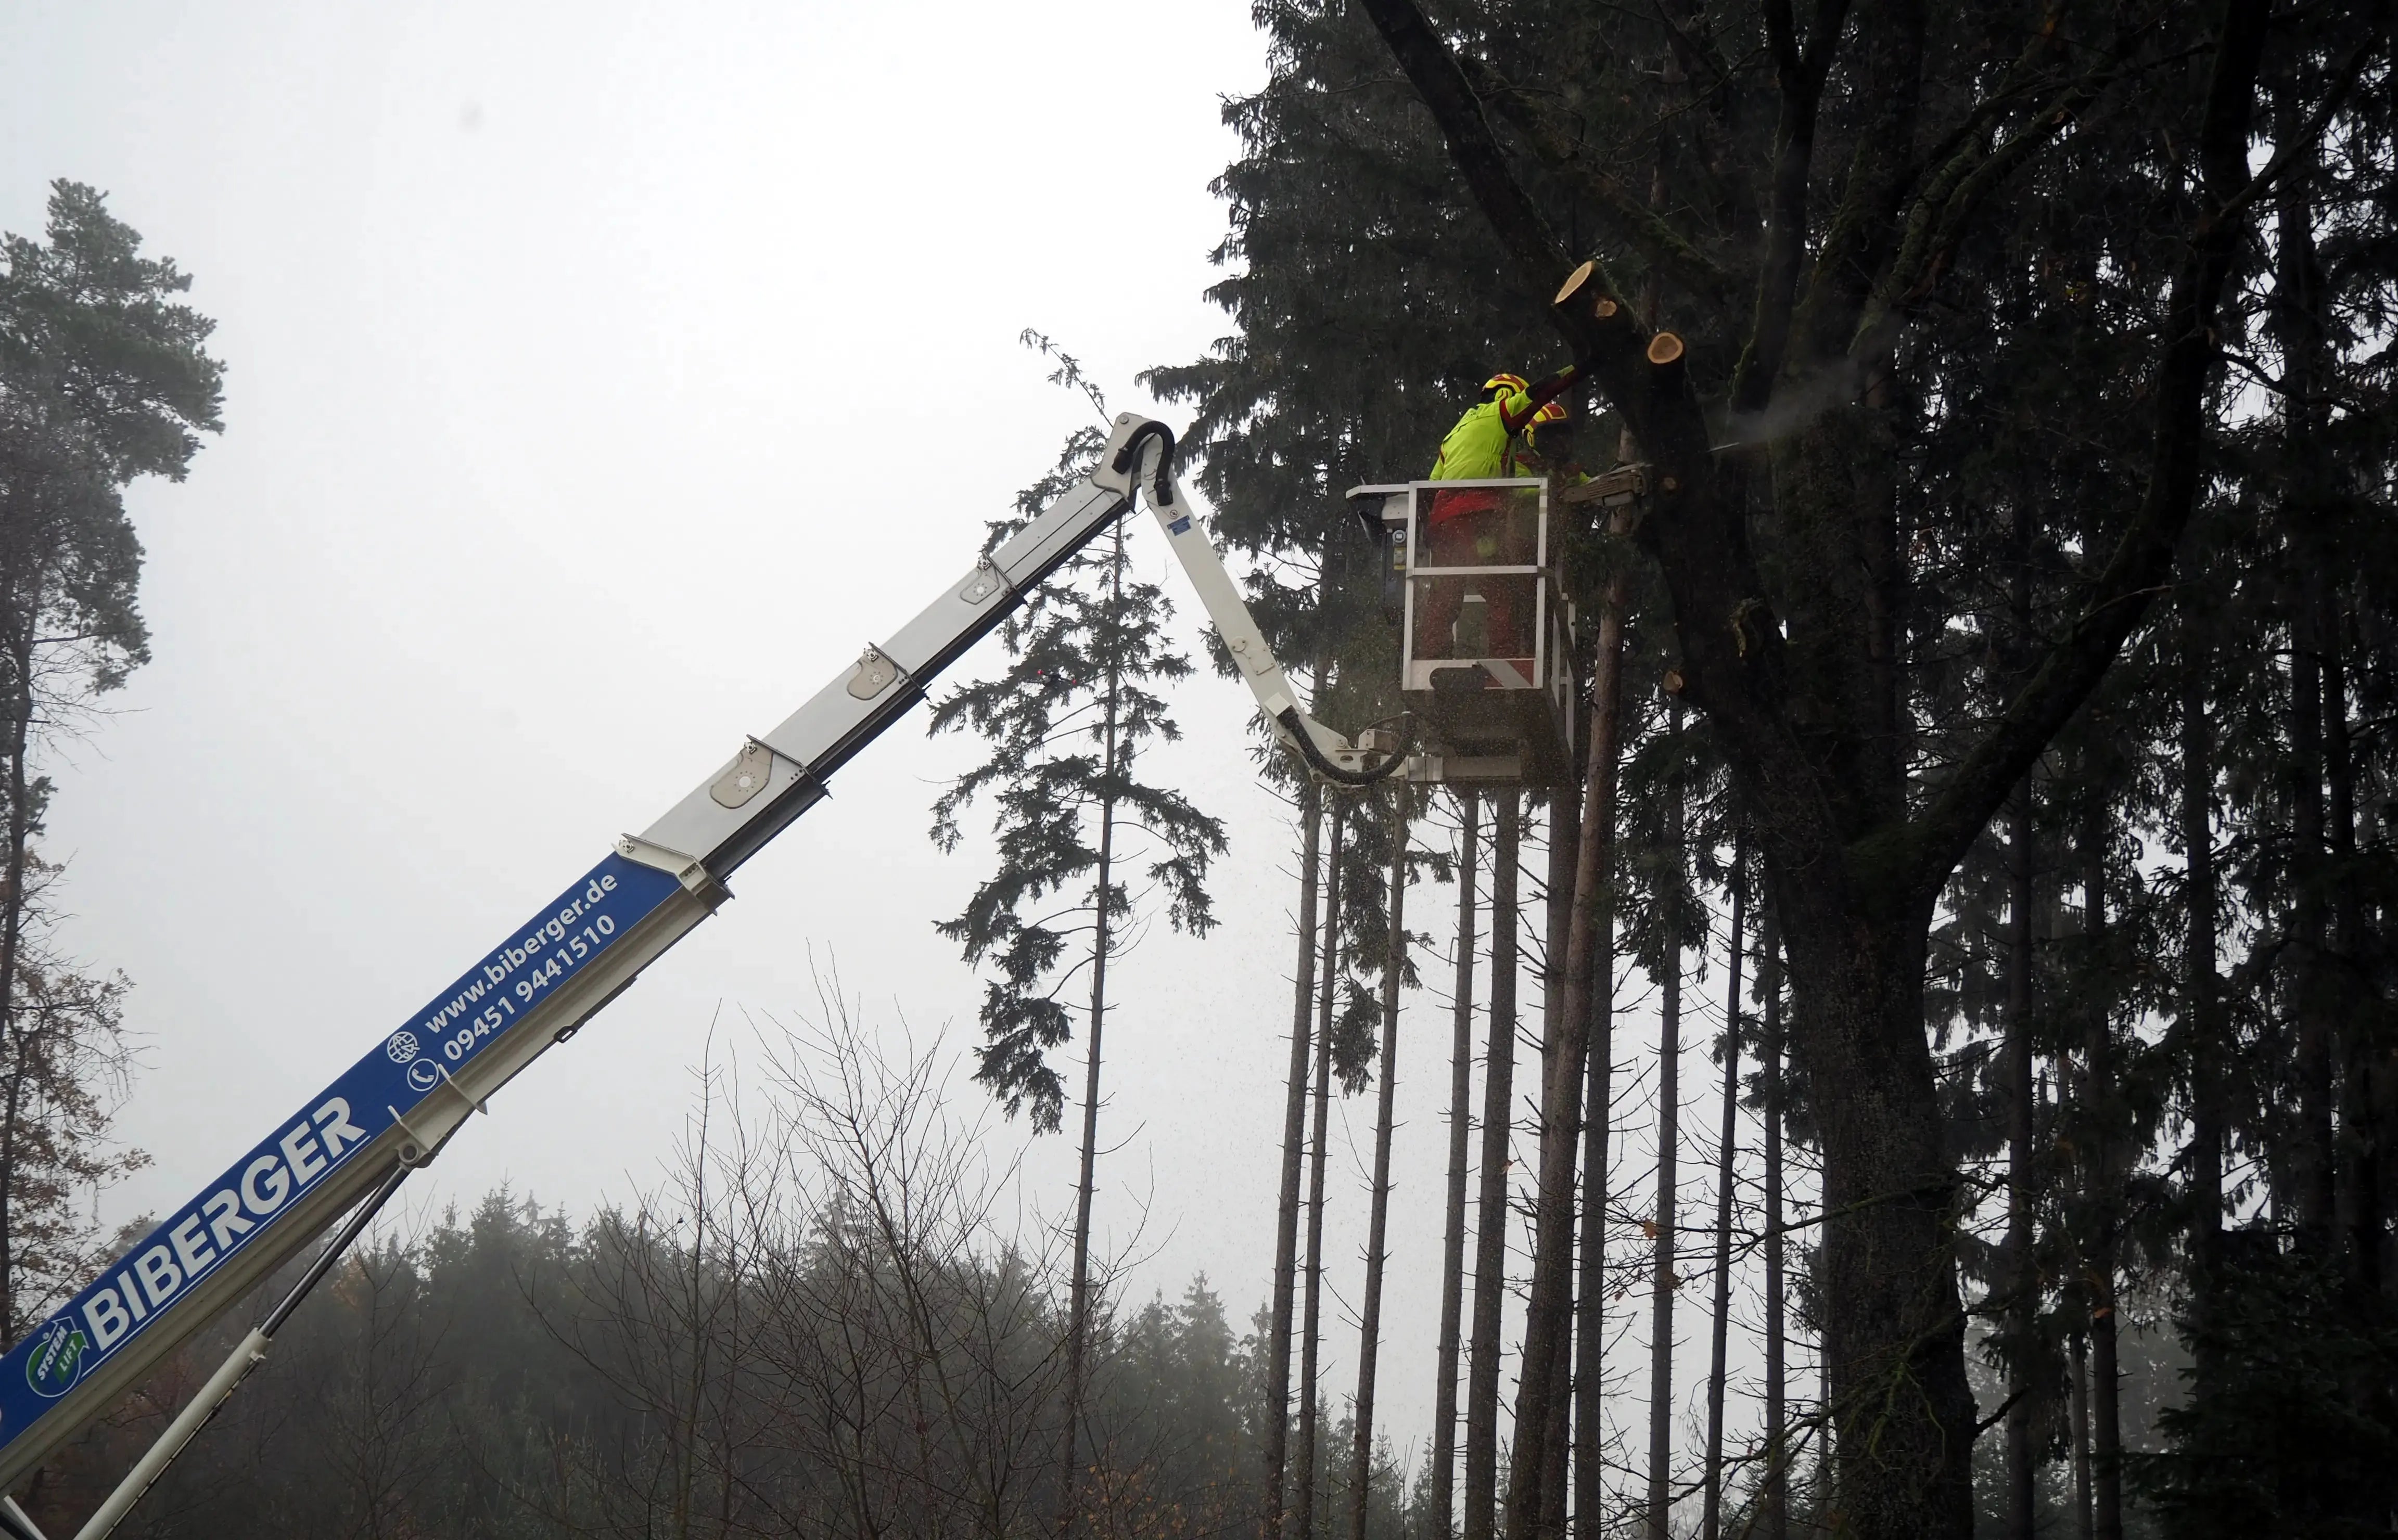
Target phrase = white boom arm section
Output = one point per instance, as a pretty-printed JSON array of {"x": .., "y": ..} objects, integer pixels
[
  {"x": 398, "y": 1107},
  {"x": 1144, "y": 450}
]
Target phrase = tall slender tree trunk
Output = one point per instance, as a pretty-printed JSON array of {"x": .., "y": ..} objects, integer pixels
[
  {"x": 19, "y": 728},
  {"x": 1461, "y": 1119},
  {"x": 1590, "y": 1291},
  {"x": 2098, "y": 1081},
  {"x": 1720, "y": 1347},
  {"x": 2202, "y": 1010},
  {"x": 1078, "y": 1308},
  {"x": 2022, "y": 1277},
  {"x": 1662, "y": 1281},
  {"x": 1560, "y": 1079},
  {"x": 2358, "y": 1204},
  {"x": 1490, "y": 1208},
  {"x": 1306, "y": 1481},
  {"x": 1776, "y": 1496},
  {"x": 1827, "y": 1434},
  {"x": 1293, "y": 1133},
  {"x": 1536, "y": 1488},
  {"x": 2078, "y": 1412},
  {"x": 2298, "y": 320},
  {"x": 1591, "y": 980},
  {"x": 2311, "y": 1160},
  {"x": 1369, "y": 1331}
]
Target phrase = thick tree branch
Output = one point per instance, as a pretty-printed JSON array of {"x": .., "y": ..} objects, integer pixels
[
  {"x": 1733, "y": 654},
  {"x": 1537, "y": 254},
  {"x": 1666, "y": 249},
  {"x": 2285, "y": 155},
  {"x": 1597, "y": 322},
  {"x": 2143, "y": 557},
  {"x": 1937, "y": 222},
  {"x": 1801, "y": 78}
]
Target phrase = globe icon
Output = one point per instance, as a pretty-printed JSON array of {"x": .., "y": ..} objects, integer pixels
[{"x": 402, "y": 1046}]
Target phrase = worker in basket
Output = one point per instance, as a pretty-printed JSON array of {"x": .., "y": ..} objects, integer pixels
[{"x": 1469, "y": 526}]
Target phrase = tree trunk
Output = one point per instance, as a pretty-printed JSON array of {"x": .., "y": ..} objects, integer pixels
[
  {"x": 1294, "y": 1132},
  {"x": 2357, "y": 1200},
  {"x": 1305, "y": 1481},
  {"x": 1460, "y": 1118},
  {"x": 1827, "y": 1430},
  {"x": 1592, "y": 976},
  {"x": 19, "y": 728},
  {"x": 1078, "y": 1308},
  {"x": 2098, "y": 1081},
  {"x": 1369, "y": 1331},
  {"x": 2298, "y": 320},
  {"x": 1536, "y": 1487},
  {"x": 2079, "y": 1413},
  {"x": 1491, "y": 1209},
  {"x": 1776, "y": 1496},
  {"x": 1662, "y": 1279},
  {"x": 2202, "y": 1008},
  {"x": 1711, "y": 1520},
  {"x": 2022, "y": 1278},
  {"x": 1561, "y": 1075},
  {"x": 1590, "y": 1295},
  {"x": 2311, "y": 1150}
]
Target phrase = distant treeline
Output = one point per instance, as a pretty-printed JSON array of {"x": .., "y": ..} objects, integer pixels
[{"x": 813, "y": 1327}]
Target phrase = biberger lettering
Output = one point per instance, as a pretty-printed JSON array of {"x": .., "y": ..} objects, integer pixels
[
  {"x": 162, "y": 1273},
  {"x": 105, "y": 1314},
  {"x": 334, "y": 1123},
  {"x": 225, "y": 1223},
  {"x": 191, "y": 1247},
  {"x": 158, "y": 1273},
  {"x": 298, "y": 1147},
  {"x": 266, "y": 1203}
]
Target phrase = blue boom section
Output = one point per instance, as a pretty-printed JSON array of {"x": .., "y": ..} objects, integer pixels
[{"x": 376, "y": 1095}]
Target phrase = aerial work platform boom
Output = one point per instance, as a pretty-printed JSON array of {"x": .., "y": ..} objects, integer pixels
[{"x": 398, "y": 1106}]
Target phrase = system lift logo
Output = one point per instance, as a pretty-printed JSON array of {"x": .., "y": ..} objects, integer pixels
[{"x": 57, "y": 1360}]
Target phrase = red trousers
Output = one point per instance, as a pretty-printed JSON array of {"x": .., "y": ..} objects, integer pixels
[{"x": 1467, "y": 528}]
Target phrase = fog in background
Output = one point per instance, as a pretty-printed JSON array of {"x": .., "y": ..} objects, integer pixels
[{"x": 601, "y": 378}]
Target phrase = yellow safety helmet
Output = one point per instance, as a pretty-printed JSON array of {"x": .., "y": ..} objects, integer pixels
[
  {"x": 1552, "y": 411},
  {"x": 1491, "y": 386}
]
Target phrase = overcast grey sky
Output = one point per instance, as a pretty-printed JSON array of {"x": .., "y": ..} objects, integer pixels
[{"x": 601, "y": 377}]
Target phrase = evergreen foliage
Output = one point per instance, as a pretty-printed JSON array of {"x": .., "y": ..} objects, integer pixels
[
  {"x": 816, "y": 1324},
  {"x": 103, "y": 380},
  {"x": 1066, "y": 720},
  {"x": 1988, "y": 311}
]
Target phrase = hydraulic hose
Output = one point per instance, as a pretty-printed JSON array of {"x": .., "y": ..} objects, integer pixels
[{"x": 1160, "y": 489}]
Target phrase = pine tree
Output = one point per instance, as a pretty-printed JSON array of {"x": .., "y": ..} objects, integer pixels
[{"x": 104, "y": 379}]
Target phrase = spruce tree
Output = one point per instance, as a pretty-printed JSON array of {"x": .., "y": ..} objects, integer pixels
[{"x": 1087, "y": 849}]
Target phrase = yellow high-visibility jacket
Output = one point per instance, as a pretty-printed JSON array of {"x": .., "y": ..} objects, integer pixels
[{"x": 1477, "y": 447}]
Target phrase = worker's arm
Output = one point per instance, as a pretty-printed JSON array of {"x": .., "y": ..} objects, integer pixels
[{"x": 1518, "y": 411}]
